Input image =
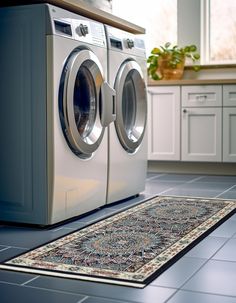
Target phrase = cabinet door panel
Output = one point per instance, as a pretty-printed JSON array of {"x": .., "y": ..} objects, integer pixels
[
  {"x": 202, "y": 95},
  {"x": 201, "y": 134},
  {"x": 229, "y": 95},
  {"x": 164, "y": 123},
  {"x": 229, "y": 137}
]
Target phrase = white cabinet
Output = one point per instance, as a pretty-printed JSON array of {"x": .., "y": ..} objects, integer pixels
[
  {"x": 192, "y": 123},
  {"x": 201, "y": 95},
  {"x": 201, "y": 134},
  {"x": 229, "y": 95},
  {"x": 164, "y": 123},
  {"x": 202, "y": 123},
  {"x": 229, "y": 123},
  {"x": 229, "y": 134}
]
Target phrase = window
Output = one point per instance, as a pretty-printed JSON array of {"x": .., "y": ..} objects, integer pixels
[
  {"x": 210, "y": 24},
  {"x": 219, "y": 31},
  {"x": 158, "y": 17}
]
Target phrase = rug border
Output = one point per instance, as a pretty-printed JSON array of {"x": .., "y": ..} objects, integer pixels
[{"x": 110, "y": 280}]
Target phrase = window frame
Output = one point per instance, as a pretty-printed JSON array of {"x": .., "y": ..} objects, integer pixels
[{"x": 205, "y": 48}]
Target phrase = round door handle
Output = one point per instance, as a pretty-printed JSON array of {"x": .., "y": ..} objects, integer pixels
[{"x": 184, "y": 111}]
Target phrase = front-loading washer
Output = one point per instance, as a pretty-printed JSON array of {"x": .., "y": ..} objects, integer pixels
[
  {"x": 55, "y": 108},
  {"x": 127, "y": 134}
]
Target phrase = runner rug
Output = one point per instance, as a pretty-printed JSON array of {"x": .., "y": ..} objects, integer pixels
[{"x": 129, "y": 248}]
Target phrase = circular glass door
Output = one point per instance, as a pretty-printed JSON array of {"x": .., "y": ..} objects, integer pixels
[
  {"x": 79, "y": 99},
  {"x": 131, "y": 101}
]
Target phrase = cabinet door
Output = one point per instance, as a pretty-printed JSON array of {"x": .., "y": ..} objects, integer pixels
[
  {"x": 201, "y": 134},
  {"x": 229, "y": 95},
  {"x": 164, "y": 123},
  {"x": 202, "y": 95},
  {"x": 229, "y": 134}
]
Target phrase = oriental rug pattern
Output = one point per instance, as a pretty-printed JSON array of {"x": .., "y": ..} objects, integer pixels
[{"x": 131, "y": 247}]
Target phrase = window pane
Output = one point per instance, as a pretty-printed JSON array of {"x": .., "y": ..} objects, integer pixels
[
  {"x": 222, "y": 30},
  {"x": 158, "y": 17}
]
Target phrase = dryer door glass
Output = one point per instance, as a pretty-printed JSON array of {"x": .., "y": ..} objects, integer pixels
[
  {"x": 79, "y": 101},
  {"x": 84, "y": 102},
  {"x": 131, "y": 101}
]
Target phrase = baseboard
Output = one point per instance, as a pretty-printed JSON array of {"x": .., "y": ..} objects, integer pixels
[{"x": 192, "y": 167}]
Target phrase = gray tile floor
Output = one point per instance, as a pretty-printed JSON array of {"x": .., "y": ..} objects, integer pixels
[{"x": 207, "y": 273}]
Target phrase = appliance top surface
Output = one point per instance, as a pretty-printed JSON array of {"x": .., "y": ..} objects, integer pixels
[
  {"x": 121, "y": 41},
  {"x": 64, "y": 23}
]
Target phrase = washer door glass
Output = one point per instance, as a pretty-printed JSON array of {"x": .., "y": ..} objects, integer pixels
[
  {"x": 131, "y": 101},
  {"x": 79, "y": 101}
]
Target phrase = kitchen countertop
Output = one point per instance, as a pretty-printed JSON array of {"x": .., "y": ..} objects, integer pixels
[
  {"x": 190, "y": 82},
  {"x": 80, "y": 7}
]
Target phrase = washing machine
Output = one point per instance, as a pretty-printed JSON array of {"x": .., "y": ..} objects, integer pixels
[
  {"x": 127, "y": 134},
  {"x": 55, "y": 109}
]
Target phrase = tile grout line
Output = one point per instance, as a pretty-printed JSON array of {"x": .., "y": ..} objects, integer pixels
[
  {"x": 171, "y": 188},
  {"x": 48, "y": 289},
  {"x": 204, "y": 293},
  {"x": 5, "y": 248},
  {"x": 155, "y": 177},
  {"x": 82, "y": 300},
  {"x": 191, "y": 276},
  {"x": 171, "y": 296},
  {"x": 28, "y": 281},
  {"x": 225, "y": 191},
  {"x": 195, "y": 179}
]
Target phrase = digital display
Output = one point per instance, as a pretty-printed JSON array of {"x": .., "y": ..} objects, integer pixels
[{"x": 63, "y": 28}]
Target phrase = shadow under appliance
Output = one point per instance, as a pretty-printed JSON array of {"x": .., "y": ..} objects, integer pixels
[
  {"x": 55, "y": 109},
  {"x": 127, "y": 135}
]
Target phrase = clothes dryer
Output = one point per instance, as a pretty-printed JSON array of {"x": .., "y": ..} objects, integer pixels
[
  {"x": 55, "y": 109},
  {"x": 127, "y": 134}
]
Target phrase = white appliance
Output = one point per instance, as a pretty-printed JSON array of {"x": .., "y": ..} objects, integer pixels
[
  {"x": 55, "y": 108},
  {"x": 127, "y": 136}
]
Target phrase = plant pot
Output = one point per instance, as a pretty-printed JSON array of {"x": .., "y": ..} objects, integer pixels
[{"x": 169, "y": 73}]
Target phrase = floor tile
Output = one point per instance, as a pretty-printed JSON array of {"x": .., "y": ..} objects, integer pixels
[
  {"x": 231, "y": 194},
  {"x": 209, "y": 186},
  {"x": 178, "y": 177},
  {"x": 10, "y": 253},
  {"x": 192, "y": 192},
  {"x": 14, "y": 293},
  {"x": 15, "y": 277},
  {"x": 227, "y": 229},
  {"x": 97, "y": 215},
  {"x": 215, "y": 277},
  {"x": 102, "y": 300},
  {"x": 227, "y": 252},
  {"x": 155, "y": 187},
  {"x": 193, "y": 297},
  {"x": 233, "y": 217},
  {"x": 151, "y": 176},
  {"x": 3, "y": 247},
  {"x": 148, "y": 294},
  {"x": 221, "y": 178},
  {"x": 179, "y": 273},
  {"x": 130, "y": 202},
  {"x": 27, "y": 237},
  {"x": 207, "y": 247}
]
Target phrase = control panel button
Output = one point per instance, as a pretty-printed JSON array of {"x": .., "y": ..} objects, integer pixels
[
  {"x": 82, "y": 30},
  {"x": 130, "y": 43}
]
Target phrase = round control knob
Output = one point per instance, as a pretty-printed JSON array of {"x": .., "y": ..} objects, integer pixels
[
  {"x": 82, "y": 30},
  {"x": 130, "y": 43}
]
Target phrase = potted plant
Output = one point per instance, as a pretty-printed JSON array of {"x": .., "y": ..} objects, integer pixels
[{"x": 168, "y": 62}]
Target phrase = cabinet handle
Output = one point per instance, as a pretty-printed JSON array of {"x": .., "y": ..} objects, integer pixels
[
  {"x": 184, "y": 111},
  {"x": 201, "y": 98}
]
